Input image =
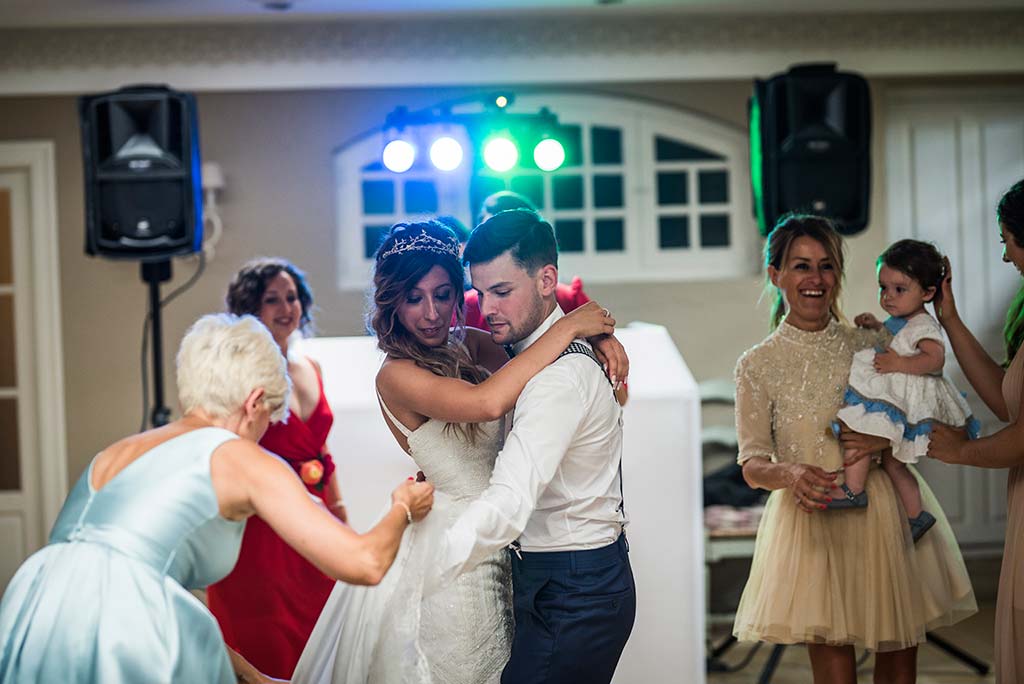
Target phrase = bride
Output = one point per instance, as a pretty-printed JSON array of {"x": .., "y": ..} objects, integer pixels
[{"x": 446, "y": 410}]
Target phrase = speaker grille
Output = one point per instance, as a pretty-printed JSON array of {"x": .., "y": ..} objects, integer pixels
[
  {"x": 810, "y": 146},
  {"x": 143, "y": 191}
]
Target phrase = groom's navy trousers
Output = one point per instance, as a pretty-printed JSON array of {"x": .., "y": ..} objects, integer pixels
[{"x": 574, "y": 611}]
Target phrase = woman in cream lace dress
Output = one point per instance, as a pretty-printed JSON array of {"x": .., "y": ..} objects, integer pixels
[{"x": 830, "y": 579}]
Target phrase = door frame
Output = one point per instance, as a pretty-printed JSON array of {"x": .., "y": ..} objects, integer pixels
[{"x": 36, "y": 159}]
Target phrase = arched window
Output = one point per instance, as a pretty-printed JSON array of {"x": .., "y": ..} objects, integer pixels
[{"x": 647, "y": 193}]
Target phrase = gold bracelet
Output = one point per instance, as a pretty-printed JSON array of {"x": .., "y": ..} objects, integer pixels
[{"x": 408, "y": 512}]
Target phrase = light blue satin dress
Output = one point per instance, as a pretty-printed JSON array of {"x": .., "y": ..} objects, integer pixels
[{"x": 106, "y": 600}]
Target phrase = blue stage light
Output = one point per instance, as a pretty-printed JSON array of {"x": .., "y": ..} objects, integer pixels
[
  {"x": 399, "y": 156},
  {"x": 446, "y": 153}
]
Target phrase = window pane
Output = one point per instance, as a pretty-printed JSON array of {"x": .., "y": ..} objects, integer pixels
[
  {"x": 714, "y": 186},
  {"x": 480, "y": 188},
  {"x": 10, "y": 467},
  {"x": 532, "y": 187},
  {"x": 372, "y": 237},
  {"x": 571, "y": 138},
  {"x": 672, "y": 187},
  {"x": 8, "y": 374},
  {"x": 567, "y": 192},
  {"x": 606, "y": 145},
  {"x": 609, "y": 235},
  {"x": 6, "y": 246},
  {"x": 608, "y": 191},
  {"x": 667, "y": 149},
  {"x": 569, "y": 233},
  {"x": 714, "y": 230},
  {"x": 378, "y": 197},
  {"x": 673, "y": 231},
  {"x": 420, "y": 197}
]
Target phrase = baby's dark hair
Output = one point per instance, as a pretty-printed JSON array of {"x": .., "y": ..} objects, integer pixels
[{"x": 919, "y": 260}]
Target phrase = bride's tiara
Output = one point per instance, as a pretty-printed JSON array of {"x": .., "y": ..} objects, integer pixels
[{"x": 422, "y": 242}]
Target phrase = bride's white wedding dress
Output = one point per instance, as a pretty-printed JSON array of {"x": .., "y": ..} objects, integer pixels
[{"x": 392, "y": 634}]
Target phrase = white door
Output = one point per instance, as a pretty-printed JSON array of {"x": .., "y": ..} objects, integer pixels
[
  {"x": 950, "y": 157},
  {"x": 32, "y": 444}
]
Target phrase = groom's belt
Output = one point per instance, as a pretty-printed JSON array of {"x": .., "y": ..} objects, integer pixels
[{"x": 571, "y": 560}]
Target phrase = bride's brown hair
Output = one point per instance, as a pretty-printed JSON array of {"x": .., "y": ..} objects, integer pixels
[{"x": 406, "y": 255}]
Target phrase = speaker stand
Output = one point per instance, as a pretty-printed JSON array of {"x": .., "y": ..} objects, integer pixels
[{"x": 154, "y": 273}]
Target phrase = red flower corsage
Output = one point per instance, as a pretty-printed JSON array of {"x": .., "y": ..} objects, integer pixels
[
  {"x": 315, "y": 472},
  {"x": 312, "y": 472}
]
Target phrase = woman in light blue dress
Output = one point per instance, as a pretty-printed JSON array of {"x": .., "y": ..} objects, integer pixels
[{"x": 161, "y": 512}]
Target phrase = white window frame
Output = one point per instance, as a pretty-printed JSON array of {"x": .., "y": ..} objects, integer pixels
[{"x": 642, "y": 260}]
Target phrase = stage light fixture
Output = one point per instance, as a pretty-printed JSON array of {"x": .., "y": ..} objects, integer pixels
[
  {"x": 495, "y": 137},
  {"x": 446, "y": 153},
  {"x": 399, "y": 155},
  {"x": 500, "y": 154},
  {"x": 549, "y": 154}
]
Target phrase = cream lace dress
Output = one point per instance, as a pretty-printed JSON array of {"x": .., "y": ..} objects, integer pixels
[
  {"x": 393, "y": 633},
  {"x": 833, "y": 577}
]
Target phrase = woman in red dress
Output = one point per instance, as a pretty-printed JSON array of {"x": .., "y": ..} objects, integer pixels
[{"x": 270, "y": 602}]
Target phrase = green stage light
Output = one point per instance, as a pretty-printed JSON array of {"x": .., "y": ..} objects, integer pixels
[
  {"x": 757, "y": 165},
  {"x": 549, "y": 154},
  {"x": 500, "y": 154}
]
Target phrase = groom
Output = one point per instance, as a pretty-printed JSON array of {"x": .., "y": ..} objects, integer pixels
[{"x": 555, "y": 497}]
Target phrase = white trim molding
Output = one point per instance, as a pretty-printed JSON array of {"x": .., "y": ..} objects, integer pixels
[
  {"x": 36, "y": 160},
  {"x": 504, "y": 50}
]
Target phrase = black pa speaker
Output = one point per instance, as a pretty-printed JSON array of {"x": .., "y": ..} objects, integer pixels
[
  {"x": 143, "y": 191},
  {"x": 810, "y": 145}
]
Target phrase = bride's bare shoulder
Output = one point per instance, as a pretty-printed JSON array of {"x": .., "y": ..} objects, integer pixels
[{"x": 397, "y": 373}]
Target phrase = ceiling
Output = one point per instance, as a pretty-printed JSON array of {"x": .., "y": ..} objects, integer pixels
[{"x": 40, "y": 13}]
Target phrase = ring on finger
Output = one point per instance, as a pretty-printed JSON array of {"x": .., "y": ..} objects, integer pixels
[{"x": 607, "y": 313}]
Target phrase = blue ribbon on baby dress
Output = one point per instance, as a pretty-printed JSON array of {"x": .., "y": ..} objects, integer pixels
[{"x": 895, "y": 323}]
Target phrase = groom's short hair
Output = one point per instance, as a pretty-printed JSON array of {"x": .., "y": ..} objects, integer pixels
[{"x": 529, "y": 238}]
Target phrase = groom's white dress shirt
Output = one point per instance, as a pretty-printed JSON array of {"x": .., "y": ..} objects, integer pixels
[{"x": 555, "y": 485}]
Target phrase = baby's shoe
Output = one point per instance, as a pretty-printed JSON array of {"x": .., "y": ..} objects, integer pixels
[
  {"x": 851, "y": 500},
  {"x": 921, "y": 524}
]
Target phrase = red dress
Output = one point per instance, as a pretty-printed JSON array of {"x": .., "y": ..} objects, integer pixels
[
  {"x": 268, "y": 605},
  {"x": 570, "y": 297}
]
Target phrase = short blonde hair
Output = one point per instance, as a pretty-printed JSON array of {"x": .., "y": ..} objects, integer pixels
[{"x": 223, "y": 358}]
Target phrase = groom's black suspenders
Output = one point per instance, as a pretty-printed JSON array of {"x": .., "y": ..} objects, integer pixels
[{"x": 579, "y": 348}]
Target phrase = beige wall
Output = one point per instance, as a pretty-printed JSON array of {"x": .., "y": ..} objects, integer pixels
[{"x": 276, "y": 152}]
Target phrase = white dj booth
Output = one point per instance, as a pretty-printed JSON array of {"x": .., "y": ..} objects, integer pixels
[{"x": 661, "y": 477}]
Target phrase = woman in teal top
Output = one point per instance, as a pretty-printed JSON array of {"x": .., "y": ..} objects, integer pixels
[{"x": 161, "y": 512}]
